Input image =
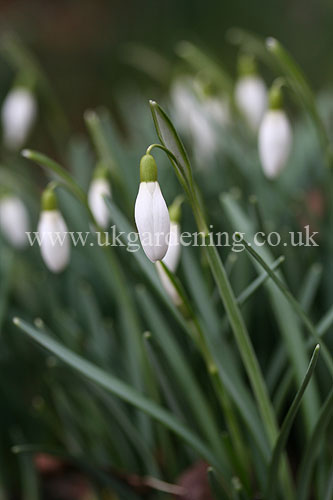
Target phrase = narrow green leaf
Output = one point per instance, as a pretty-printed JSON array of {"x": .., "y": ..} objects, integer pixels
[
  {"x": 295, "y": 305},
  {"x": 312, "y": 448},
  {"x": 214, "y": 484},
  {"x": 120, "y": 389},
  {"x": 272, "y": 491},
  {"x": 325, "y": 323},
  {"x": 58, "y": 170},
  {"x": 310, "y": 286},
  {"x": 180, "y": 368},
  {"x": 284, "y": 314}
]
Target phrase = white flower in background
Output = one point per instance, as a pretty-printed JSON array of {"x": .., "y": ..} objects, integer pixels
[
  {"x": 52, "y": 230},
  {"x": 14, "y": 220},
  {"x": 250, "y": 93},
  {"x": 17, "y": 115},
  {"x": 218, "y": 109},
  {"x": 275, "y": 137},
  {"x": 151, "y": 213},
  {"x": 251, "y": 99},
  {"x": 199, "y": 115},
  {"x": 99, "y": 188}
]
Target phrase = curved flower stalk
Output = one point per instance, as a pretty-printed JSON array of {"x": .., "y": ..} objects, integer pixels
[
  {"x": 14, "y": 220},
  {"x": 250, "y": 93},
  {"x": 151, "y": 213},
  {"x": 18, "y": 114},
  {"x": 99, "y": 188},
  {"x": 53, "y": 232},
  {"x": 275, "y": 136},
  {"x": 172, "y": 257}
]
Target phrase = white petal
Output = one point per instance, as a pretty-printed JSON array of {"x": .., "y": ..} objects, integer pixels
[
  {"x": 99, "y": 188},
  {"x": 18, "y": 114},
  {"x": 14, "y": 221},
  {"x": 251, "y": 99},
  {"x": 275, "y": 139},
  {"x": 172, "y": 256},
  {"x": 152, "y": 220},
  {"x": 55, "y": 243},
  {"x": 168, "y": 285}
]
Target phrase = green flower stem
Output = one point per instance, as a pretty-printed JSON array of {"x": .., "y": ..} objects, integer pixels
[
  {"x": 170, "y": 139},
  {"x": 222, "y": 396},
  {"x": 271, "y": 491}
]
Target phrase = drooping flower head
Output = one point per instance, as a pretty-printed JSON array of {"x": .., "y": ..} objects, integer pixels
[
  {"x": 100, "y": 187},
  {"x": 250, "y": 93},
  {"x": 14, "y": 220},
  {"x": 151, "y": 213},
  {"x": 18, "y": 114},
  {"x": 275, "y": 136},
  {"x": 53, "y": 234}
]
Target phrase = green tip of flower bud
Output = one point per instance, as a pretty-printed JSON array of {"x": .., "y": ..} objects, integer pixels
[
  {"x": 49, "y": 200},
  {"x": 275, "y": 97},
  {"x": 101, "y": 171},
  {"x": 246, "y": 65},
  {"x": 148, "y": 169},
  {"x": 175, "y": 210}
]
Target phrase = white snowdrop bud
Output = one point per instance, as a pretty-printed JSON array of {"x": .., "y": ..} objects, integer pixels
[
  {"x": 275, "y": 137},
  {"x": 14, "y": 220},
  {"x": 250, "y": 93},
  {"x": 251, "y": 99},
  {"x": 151, "y": 213},
  {"x": 53, "y": 234},
  {"x": 18, "y": 114},
  {"x": 99, "y": 188}
]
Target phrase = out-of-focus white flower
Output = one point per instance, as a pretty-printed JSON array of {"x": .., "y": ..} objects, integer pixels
[
  {"x": 198, "y": 116},
  {"x": 251, "y": 99},
  {"x": 53, "y": 234},
  {"x": 18, "y": 115},
  {"x": 14, "y": 220},
  {"x": 217, "y": 108},
  {"x": 99, "y": 188},
  {"x": 171, "y": 260},
  {"x": 275, "y": 140},
  {"x": 151, "y": 213}
]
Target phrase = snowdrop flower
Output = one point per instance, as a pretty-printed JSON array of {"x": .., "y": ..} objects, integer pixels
[
  {"x": 250, "y": 93},
  {"x": 53, "y": 234},
  {"x": 275, "y": 137},
  {"x": 217, "y": 107},
  {"x": 18, "y": 114},
  {"x": 14, "y": 220},
  {"x": 172, "y": 257},
  {"x": 99, "y": 188},
  {"x": 151, "y": 213}
]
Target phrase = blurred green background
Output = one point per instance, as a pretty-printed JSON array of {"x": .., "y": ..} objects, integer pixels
[{"x": 80, "y": 42}]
